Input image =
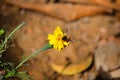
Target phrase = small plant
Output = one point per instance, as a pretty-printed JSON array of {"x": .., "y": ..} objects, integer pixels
[
  {"x": 7, "y": 69},
  {"x": 58, "y": 40}
]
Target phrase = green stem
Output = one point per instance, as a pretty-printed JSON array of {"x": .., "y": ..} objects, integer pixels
[
  {"x": 10, "y": 35},
  {"x": 48, "y": 46}
]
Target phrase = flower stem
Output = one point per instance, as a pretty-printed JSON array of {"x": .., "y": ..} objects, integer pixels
[
  {"x": 10, "y": 35},
  {"x": 48, "y": 46}
]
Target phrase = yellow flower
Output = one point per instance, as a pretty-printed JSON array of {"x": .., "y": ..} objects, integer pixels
[{"x": 58, "y": 39}]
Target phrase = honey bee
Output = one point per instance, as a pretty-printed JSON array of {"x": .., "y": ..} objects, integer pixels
[{"x": 66, "y": 38}]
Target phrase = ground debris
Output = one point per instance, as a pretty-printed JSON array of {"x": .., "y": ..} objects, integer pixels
[{"x": 67, "y": 12}]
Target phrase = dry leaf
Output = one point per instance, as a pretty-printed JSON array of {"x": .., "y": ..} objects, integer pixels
[{"x": 73, "y": 68}]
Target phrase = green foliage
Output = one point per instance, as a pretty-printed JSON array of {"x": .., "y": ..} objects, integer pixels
[
  {"x": 12, "y": 72},
  {"x": 8, "y": 68},
  {"x": 2, "y": 31},
  {"x": 23, "y": 75}
]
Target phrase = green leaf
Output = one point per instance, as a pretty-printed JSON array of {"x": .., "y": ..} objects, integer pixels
[
  {"x": 10, "y": 73},
  {"x": 2, "y": 31},
  {"x": 23, "y": 75},
  {"x": 1, "y": 77}
]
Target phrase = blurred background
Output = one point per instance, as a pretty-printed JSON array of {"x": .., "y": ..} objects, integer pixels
[{"x": 92, "y": 25}]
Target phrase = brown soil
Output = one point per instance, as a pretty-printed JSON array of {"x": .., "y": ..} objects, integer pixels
[{"x": 85, "y": 33}]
